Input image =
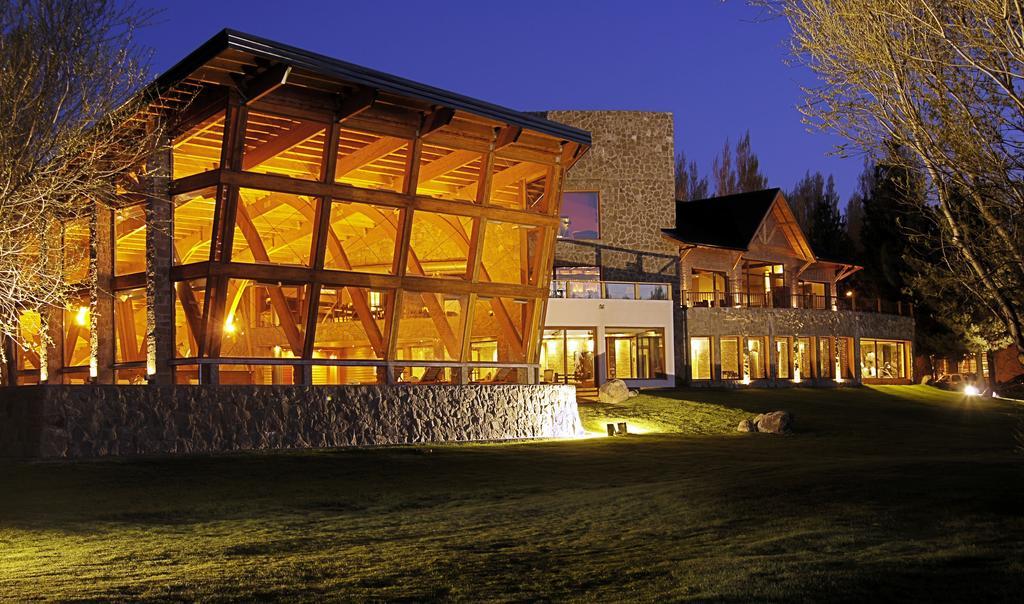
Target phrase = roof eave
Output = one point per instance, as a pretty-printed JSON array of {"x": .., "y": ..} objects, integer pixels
[{"x": 321, "y": 64}]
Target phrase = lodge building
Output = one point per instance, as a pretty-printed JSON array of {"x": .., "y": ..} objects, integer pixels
[
  {"x": 724, "y": 291},
  {"x": 315, "y": 222}
]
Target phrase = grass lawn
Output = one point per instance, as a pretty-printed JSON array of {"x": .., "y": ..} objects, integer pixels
[{"x": 888, "y": 493}]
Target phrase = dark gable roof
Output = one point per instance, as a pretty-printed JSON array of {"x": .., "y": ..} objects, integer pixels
[
  {"x": 334, "y": 68},
  {"x": 729, "y": 222}
]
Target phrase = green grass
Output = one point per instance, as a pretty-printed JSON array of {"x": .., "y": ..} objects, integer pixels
[{"x": 889, "y": 493}]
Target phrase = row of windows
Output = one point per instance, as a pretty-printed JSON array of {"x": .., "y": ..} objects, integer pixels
[
  {"x": 278, "y": 228},
  {"x": 796, "y": 358},
  {"x": 268, "y": 320}
]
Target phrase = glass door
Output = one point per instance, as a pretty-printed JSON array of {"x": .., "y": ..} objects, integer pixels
[{"x": 567, "y": 357}]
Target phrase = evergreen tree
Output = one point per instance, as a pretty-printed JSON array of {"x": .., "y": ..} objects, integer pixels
[
  {"x": 722, "y": 171},
  {"x": 737, "y": 171},
  {"x": 803, "y": 198},
  {"x": 689, "y": 184},
  {"x": 827, "y": 234},
  {"x": 748, "y": 173}
]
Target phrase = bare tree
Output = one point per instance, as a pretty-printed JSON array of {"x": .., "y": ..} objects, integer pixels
[
  {"x": 73, "y": 130},
  {"x": 941, "y": 79}
]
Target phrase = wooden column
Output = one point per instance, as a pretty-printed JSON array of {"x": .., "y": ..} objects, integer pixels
[
  {"x": 159, "y": 293},
  {"x": 101, "y": 312}
]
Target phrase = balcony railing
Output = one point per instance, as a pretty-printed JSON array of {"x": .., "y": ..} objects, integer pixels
[
  {"x": 777, "y": 299},
  {"x": 610, "y": 290}
]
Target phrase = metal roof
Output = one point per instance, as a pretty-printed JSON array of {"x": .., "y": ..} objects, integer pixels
[{"x": 334, "y": 68}]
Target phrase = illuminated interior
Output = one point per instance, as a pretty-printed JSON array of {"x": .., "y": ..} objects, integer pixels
[
  {"x": 700, "y": 358},
  {"x": 884, "y": 359},
  {"x": 567, "y": 356},
  {"x": 324, "y": 232},
  {"x": 732, "y": 365},
  {"x": 635, "y": 353}
]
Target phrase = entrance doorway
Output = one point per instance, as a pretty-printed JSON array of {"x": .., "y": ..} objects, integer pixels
[{"x": 567, "y": 357}]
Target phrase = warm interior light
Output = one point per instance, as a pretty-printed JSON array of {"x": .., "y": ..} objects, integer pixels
[
  {"x": 82, "y": 316},
  {"x": 229, "y": 325}
]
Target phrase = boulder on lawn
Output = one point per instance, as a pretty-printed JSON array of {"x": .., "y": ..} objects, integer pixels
[
  {"x": 747, "y": 425},
  {"x": 776, "y": 422},
  {"x": 613, "y": 391}
]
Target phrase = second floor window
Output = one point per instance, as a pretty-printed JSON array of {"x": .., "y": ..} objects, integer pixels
[{"x": 580, "y": 215}]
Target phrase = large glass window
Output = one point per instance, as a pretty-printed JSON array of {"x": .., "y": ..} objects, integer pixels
[
  {"x": 580, "y": 213},
  {"x": 826, "y": 358},
  {"x": 844, "y": 347},
  {"x": 362, "y": 237},
  {"x": 130, "y": 240},
  {"x": 273, "y": 228},
  {"x": 883, "y": 359},
  {"x": 264, "y": 320},
  {"x": 803, "y": 359},
  {"x": 809, "y": 294},
  {"x": 352, "y": 323},
  {"x": 76, "y": 250},
  {"x": 760, "y": 279},
  {"x": 430, "y": 327},
  {"x": 635, "y": 353},
  {"x": 707, "y": 288},
  {"x": 439, "y": 244},
  {"x": 700, "y": 358},
  {"x": 498, "y": 332},
  {"x": 286, "y": 146},
  {"x": 329, "y": 375},
  {"x": 77, "y": 325},
  {"x": 371, "y": 161},
  {"x": 449, "y": 173},
  {"x": 732, "y": 364},
  {"x": 189, "y": 300},
  {"x": 519, "y": 185},
  {"x": 757, "y": 358},
  {"x": 261, "y": 375},
  {"x": 193, "y": 225},
  {"x": 567, "y": 356},
  {"x": 783, "y": 358},
  {"x": 510, "y": 252},
  {"x": 130, "y": 325},
  {"x": 30, "y": 347},
  {"x": 198, "y": 148}
]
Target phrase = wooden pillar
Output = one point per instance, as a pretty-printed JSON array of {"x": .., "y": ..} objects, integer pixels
[
  {"x": 159, "y": 293},
  {"x": 53, "y": 323},
  {"x": 101, "y": 312}
]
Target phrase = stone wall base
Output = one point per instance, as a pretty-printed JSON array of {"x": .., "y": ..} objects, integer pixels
[{"x": 93, "y": 421}]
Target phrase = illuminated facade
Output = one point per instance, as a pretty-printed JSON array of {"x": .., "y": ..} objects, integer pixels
[
  {"x": 724, "y": 291},
  {"x": 314, "y": 222}
]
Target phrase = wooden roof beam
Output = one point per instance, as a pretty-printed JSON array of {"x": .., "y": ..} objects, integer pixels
[
  {"x": 258, "y": 86},
  {"x": 435, "y": 120}
]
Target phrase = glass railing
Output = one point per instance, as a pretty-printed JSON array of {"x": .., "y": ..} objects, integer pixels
[
  {"x": 720, "y": 299},
  {"x": 610, "y": 290}
]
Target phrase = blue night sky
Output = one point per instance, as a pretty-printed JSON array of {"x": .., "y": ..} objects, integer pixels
[{"x": 708, "y": 62}]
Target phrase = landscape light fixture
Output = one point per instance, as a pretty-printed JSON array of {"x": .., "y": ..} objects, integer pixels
[{"x": 971, "y": 390}]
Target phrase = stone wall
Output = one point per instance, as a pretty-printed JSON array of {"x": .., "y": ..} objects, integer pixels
[
  {"x": 91, "y": 421},
  {"x": 631, "y": 165}
]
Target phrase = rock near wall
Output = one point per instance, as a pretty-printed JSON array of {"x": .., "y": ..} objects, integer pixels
[{"x": 91, "y": 421}]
